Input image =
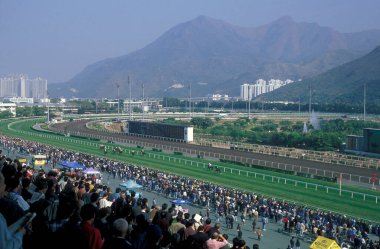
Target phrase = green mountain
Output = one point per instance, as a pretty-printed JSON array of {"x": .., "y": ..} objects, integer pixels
[{"x": 343, "y": 84}]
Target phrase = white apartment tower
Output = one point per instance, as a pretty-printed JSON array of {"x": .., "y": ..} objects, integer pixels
[
  {"x": 22, "y": 86},
  {"x": 249, "y": 91}
]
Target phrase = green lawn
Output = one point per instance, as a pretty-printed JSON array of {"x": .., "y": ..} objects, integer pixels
[{"x": 272, "y": 185}]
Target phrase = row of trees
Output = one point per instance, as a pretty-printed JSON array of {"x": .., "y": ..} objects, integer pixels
[{"x": 331, "y": 136}]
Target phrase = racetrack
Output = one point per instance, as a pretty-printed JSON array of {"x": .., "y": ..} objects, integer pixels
[{"x": 304, "y": 166}]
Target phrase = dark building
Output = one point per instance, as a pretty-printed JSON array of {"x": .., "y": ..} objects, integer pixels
[{"x": 371, "y": 141}]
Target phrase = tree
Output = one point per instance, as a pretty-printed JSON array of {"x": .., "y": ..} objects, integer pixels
[
  {"x": 5, "y": 115},
  {"x": 202, "y": 123}
]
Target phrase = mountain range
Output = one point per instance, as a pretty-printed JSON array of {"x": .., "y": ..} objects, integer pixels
[
  {"x": 343, "y": 84},
  {"x": 217, "y": 57}
]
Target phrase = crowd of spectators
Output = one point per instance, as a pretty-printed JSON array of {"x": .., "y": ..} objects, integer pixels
[{"x": 73, "y": 211}]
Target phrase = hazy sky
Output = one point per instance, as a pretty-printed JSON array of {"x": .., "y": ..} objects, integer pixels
[{"x": 56, "y": 39}]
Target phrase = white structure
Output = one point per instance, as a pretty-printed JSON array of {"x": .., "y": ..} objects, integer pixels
[
  {"x": 217, "y": 97},
  {"x": 246, "y": 91},
  {"x": 146, "y": 105},
  {"x": 20, "y": 100},
  {"x": 189, "y": 134},
  {"x": 249, "y": 91},
  {"x": 11, "y": 107},
  {"x": 22, "y": 86}
]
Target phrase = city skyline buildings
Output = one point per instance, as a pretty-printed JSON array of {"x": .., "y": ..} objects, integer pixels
[{"x": 22, "y": 86}]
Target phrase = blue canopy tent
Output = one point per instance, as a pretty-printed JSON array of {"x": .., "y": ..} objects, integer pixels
[
  {"x": 71, "y": 165},
  {"x": 180, "y": 202},
  {"x": 130, "y": 185}
]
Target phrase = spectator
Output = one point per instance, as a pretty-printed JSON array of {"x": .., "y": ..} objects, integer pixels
[
  {"x": 298, "y": 244},
  {"x": 8, "y": 240},
  {"x": 292, "y": 242},
  {"x": 216, "y": 241},
  {"x": 118, "y": 239},
  {"x": 259, "y": 233},
  {"x": 13, "y": 188},
  {"x": 92, "y": 235}
]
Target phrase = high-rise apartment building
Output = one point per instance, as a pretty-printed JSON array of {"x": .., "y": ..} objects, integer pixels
[
  {"x": 249, "y": 91},
  {"x": 22, "y": 86}
]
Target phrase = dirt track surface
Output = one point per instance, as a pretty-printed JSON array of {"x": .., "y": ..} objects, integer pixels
[{"x": 319, "y": 167}]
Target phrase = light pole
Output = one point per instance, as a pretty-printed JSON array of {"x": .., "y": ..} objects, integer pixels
[
  {"x": 130, "y": 99},
  {"x": 142, "y": 101},
  {"x": 249, "y": 101},
  {"x": 47, "y": 104},
  {"x": 190, "y": 100},
  {"x": 118, "y": 98}
]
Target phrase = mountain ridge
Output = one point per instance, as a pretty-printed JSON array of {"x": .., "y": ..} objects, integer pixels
[
  {"x": 220, "y": 54},
  {"x": 342, "y": 84}
]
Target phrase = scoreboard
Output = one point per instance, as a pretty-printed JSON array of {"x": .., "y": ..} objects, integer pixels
[{"x": 180, "y": 132}]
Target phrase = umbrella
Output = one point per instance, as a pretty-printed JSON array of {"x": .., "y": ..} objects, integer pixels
[
  {"x": 130, "y": 184},
  {"x": 91, "y": 171},
  {"x": 71, "y": 165},
  {"x": 180, "y": 202}
]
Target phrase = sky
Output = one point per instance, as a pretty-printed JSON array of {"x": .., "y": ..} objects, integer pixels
[{"x": 56, "y": 39}]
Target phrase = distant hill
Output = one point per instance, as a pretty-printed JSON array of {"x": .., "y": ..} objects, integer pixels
[
  {"x": 215, "y": 56},
  {"x": 343, "y": 84}
]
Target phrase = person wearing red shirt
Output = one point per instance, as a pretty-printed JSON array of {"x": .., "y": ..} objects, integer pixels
[{"x": 92, "y": 236}]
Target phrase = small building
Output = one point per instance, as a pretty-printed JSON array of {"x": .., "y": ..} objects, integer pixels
[
  {"x": 11, "y": 107},
  {"x": 19, "y": 100},
  {"x": 146, "y": 105}
]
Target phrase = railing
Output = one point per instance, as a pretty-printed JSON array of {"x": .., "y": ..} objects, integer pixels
[{"x": 249, "y": 161}]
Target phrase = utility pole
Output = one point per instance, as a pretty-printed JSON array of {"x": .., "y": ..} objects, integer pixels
[
  {"x": 364, "y": 102},
  {"x": 130, "y": 99}
]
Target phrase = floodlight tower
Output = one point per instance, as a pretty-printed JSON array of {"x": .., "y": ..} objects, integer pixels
[
  {"x": 310, "y": 101},
  {"x": 142, "y": 101},
  {"x": 130, "y": 99},
  {"x": 118, "y": 97},
  {"x": 190, "y": 100}
]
